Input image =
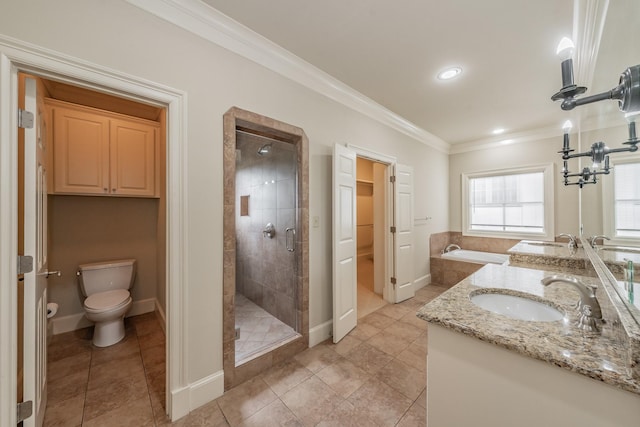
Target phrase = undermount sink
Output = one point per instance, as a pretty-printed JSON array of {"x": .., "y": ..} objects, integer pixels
[{"x": 517, "y": 307}]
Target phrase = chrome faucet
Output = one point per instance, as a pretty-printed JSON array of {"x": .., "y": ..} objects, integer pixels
[
  {"x": 449, "y": 248},
  {"x": 573, "y": 241},
  {"x": 594, "y": 238},
  {"x": 590, "y": 314}
]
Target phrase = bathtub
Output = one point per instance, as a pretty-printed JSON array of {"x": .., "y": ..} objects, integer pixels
[{"x": 476, "y": 256}]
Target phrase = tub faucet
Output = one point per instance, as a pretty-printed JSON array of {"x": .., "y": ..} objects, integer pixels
[
  {"x": 573, "y": 241},
  {"x": 594, "y": 238},
  {"x": 589, "y": 312},
  {"x": 450, "y": 248}
]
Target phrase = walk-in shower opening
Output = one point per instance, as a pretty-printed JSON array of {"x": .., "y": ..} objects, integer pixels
[
  {"x": 265, "y": 314},
  {"x": 266, "y": 218}
]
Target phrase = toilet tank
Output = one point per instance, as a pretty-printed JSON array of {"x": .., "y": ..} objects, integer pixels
[{"x": 106, "y": 276}]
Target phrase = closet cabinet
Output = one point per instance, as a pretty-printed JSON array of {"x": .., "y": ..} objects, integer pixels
[{"x": 97, "y": 152}]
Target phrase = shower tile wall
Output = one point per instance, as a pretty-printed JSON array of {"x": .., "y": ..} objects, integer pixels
[{"x": 265, "y": 271}]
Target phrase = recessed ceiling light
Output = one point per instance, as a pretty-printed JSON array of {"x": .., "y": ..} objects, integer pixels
[
  {"x": 498, "y": 131},
  {"x": 449, "y": 73},
  {"x": 507, "y": 141}
]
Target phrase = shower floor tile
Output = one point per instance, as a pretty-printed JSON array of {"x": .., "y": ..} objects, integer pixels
[{"x": 259, "y": 330}]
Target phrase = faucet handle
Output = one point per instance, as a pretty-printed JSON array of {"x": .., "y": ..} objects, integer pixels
[
  {"x": 573, "y": 241},
  {"x": 595, "y": 238}
]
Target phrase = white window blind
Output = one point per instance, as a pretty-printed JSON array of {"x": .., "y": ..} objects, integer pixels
[
  {"x": 627, "y": 200},
  {"x": 507, "y": 203}
]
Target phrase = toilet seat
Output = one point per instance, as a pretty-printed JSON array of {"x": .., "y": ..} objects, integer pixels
[{"x": 108, "y": 300}]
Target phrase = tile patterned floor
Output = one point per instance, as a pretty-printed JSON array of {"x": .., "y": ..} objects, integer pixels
[
  {"x": 259, "y": 330},
  {"x": 368, "y": 301},
  {"x": 375, "y": 376},
  {"x": 120, "y": 385}
]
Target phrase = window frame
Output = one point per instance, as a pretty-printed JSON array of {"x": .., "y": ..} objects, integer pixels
[
  {"x": 548, "y": 201},
  {"x": 608, "y": 205}
]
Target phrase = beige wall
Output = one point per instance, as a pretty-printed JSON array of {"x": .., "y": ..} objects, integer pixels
[
  {"x": 512, "y": 156},
  {"x": 85, "y": 229},
  {"x": 122, "y": 37}
]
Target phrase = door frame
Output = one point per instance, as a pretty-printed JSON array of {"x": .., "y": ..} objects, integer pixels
[
  {"x": 233, "y": 119},
  {"x": 389, "y": 162},
  {"x": 16, "y": 56}
]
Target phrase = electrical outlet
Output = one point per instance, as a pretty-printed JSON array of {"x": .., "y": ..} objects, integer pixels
[{"x": 315, "y": 221}]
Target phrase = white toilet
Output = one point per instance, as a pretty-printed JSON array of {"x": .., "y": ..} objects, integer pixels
[{"x": 106, "y": 286}]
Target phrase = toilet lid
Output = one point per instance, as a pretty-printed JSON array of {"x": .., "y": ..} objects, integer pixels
[{"x": 106, "y": 300}]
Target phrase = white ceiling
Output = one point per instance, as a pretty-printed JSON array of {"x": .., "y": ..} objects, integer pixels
[{"x": 391, "y": 51}]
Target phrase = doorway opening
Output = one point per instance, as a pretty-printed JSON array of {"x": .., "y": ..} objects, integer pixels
[
  {"x": 394, "y": 256},
  {"x": 371, "y": 251},
  {"x": 74, "y": 226},
  {"x": 266, "y": 244}
]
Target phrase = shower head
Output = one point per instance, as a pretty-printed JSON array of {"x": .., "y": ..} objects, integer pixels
[{"x": 264, "y": 150}]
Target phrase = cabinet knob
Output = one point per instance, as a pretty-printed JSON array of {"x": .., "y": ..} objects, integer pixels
[
  {"x": 106, "y": 190},
  {"x": 113, "y": 190}
]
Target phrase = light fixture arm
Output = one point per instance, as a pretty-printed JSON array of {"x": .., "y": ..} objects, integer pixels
[{"x": 627, "y": 93}]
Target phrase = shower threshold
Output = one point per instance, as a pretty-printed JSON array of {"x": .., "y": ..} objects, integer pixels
[{"x": 259, "y": 331}]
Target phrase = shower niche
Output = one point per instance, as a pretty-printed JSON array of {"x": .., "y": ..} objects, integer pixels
[{"x": 265, "y": 317}]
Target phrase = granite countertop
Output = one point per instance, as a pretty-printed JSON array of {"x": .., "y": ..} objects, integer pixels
[
  {"x": 550, "y": 255},
  {"x": 559, "y": 343},
  {"x": 547, "y": 249}
]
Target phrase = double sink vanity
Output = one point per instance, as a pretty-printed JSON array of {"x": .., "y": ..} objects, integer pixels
[{"x": 543, "y": 340}]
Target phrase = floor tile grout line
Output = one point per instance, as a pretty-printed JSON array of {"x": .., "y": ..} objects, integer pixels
[
  {"x": 340, "y": 399},
  {"x": 86, "y": 388},
  {"x": 146, "y": 380}
]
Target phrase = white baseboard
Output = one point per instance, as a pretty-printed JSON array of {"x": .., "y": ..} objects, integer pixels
[
  {"x": 421, "y": 282},
  {"x": 179, "y": 405},
  {"x": 194, "y": 395},
  {"x": 320, "y": 333},
  {"x": 77, "y": 321},
  {"x": 161, "y": 316},
  {"x": 206, "y": 389}
]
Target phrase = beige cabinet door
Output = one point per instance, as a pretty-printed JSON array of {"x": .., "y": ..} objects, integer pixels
[
  {"x": 80, "y": 152},
  {"x": 133, "y": 158}
]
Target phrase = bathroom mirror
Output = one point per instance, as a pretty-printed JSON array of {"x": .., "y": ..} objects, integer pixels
[{"x": 602, "y": 121}]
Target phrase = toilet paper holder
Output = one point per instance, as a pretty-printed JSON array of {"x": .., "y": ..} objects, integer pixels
[
  {"x": 52, "y": 309},
  {"x": 48, "y": 273}
]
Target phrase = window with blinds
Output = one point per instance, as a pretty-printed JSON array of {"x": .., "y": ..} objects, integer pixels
[
  {"x": 626, "y": 200},
  {"x": 515, "y": 203},
  {"x": 507, "y": 203}
]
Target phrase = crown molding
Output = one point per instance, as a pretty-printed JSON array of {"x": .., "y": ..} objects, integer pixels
[
  {"x": 506, "y": 139},
  {"x": 210, "y": 24},
  {"x": 583, "y": 125}
]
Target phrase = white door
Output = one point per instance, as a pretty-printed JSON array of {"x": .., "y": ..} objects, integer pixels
[
  {"x": 345, "y": 301},
  {"x": 403, "y": 237},
  {"x": 35, "y": 245}
]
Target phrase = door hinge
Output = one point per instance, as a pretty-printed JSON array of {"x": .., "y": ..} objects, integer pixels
[
  {"x": 393, "y": 229},
  {"x": 392, "y": 178},
  {"x": 25, "y": 119},
  {"x": 24, "y": 410},
  {"x": 25, "y": 264},
  {"x": 393, "y": 282}
]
